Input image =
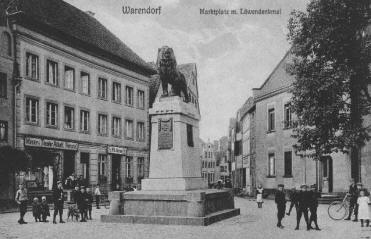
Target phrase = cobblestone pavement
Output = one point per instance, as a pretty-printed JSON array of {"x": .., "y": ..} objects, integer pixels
[{"x": 252, "y": 223}]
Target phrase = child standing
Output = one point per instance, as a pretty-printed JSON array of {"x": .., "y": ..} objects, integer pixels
[
  {"x": 36, "y": 209},
  {"x": 44, "y": 209},
  {"x": 259, "y": 195},
  {"x": 89, "y": 203},
  {"x": 363, "y": 212}
]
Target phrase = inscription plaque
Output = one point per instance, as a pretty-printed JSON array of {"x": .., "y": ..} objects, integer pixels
[{"x": 165, "y": 133}]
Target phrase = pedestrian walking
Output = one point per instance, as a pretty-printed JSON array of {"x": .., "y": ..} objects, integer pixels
[
  {"x": 21, "y": 198},
  {"x": 97, "y": 194},
  {"x": 36, "y": 210},
  {"x": 58, "y": 199},
  {"x": 313, "y": 205},
  {"x": 259, "y": 196},
  {"x": 81, "y": 203},
  {"x": 304, "y": 202},
  {"x": 363, "y": 213},
  {"x": 89, "y": 203},
  {"x": 353, "y": 193},
  {"x": 44, "y": 209},
  {"x": 294, "y": 201},
  {"x": 280, "y": 200}
]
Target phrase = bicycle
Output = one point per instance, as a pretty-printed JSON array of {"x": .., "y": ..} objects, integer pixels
[{"x": 338, "y": 210}]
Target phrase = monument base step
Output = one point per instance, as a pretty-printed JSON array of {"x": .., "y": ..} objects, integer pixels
[{"x": 172, "y": 220}]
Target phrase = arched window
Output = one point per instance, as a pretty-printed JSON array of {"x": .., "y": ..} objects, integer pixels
[{"x": 6, "y": 44}]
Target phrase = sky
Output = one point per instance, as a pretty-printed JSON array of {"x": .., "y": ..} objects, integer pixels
[{"x": 233, "y": 53}]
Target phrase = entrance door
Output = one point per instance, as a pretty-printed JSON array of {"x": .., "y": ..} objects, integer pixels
[
  {"x": 327, "y": 173},
  {"x": 68, "y": 163},
  {"x": 116, "y": 163}
]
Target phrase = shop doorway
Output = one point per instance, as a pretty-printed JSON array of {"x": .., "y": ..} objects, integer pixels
[
  {"x": 84, "y": 160},
  {"x": 116, "y": 166},
  {"x": 68, "y": 163}
]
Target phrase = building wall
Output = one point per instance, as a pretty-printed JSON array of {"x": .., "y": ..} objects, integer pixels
[
  {"x": 92, "y": 143},
  {"x": 6, "y": 107}
]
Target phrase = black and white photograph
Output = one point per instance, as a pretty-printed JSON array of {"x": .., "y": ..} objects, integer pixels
[{"x": 156, "y": 119}]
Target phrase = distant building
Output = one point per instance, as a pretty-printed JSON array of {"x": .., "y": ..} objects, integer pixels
[
  {"x": 82, "y": 105},
  {"x": 209, "y": 169}
]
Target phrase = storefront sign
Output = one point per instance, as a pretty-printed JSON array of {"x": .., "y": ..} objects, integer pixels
[
  {"x": 32, "y": 142},
  {"x": 48, "y": 143},
  {"x": 116, "y": 150},
  {"x": 165, "y": 133}
]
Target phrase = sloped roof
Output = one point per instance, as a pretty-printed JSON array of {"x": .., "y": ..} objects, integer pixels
[
  {"x": 247, "y": 106},
  {"x": 57, "y": 18},
  {"x": 277, "y": 80}
]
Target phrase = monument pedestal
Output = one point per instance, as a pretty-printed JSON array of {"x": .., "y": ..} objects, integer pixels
[{"x": 174, "y": 193}]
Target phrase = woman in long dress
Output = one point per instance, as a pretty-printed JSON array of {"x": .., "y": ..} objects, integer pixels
[
  {"x": 363, "y": 210},
  {"x": 259, "y": 195}
]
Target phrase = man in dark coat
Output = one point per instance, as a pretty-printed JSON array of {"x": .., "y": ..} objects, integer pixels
[
  {"x": 58, "y": 199},
  {"x": 294, "y": 198},
  {"x": 304, "y": 202},
  {"x": 353, "y": 193},
  {"x": 81, "y": 203},
  {"x": 280, "y": 200},
  {"x": 313, "y": 205}
]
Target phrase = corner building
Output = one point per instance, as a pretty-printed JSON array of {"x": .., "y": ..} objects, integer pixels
[{"x": 82, "y": 107}]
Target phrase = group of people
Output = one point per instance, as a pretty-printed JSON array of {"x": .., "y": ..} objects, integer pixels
[
  {"x": 72, "y": 181},
  {"x": 81, "y": 198},
  {"x": 359, "y": 200},
  {"x": 305, "y": 202}
]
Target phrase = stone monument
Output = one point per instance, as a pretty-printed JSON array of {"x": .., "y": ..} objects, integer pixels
[{"x": 175, "y": 192}]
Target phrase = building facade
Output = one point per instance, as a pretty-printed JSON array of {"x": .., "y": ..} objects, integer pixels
[
  {"x": 82, "y": 105},
  {"x": 209, "y": 169},
  {"x": 6, "y": 99},
  {"x": 276, "y": 160}
]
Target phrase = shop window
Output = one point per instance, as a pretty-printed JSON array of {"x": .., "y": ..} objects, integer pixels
[
  {"x": 140, "y": 168},
  {"x": 84, "y": 160},
  {"x": 6, "y": 43},
  {"x": 32, "y": 66},
  {"x": 69, "y": 118},
  {"x": 288, "y": 164},
  {"x": 116, "y": 126},
  {"x": 51, "y": 114},
  {"x": 271, "y": 120},
  {"x": 140, "y": 131},
  {"x": 52, "y": 72},
  {"x": 102, "y": 168},
  {"x": 129, "y": 167},
  {"x": 85, "y": 83},
  {"x": 140, "y": 99},
  {"x": 129, "y": 96},
  {"x": 129, "y": 129},
  {"x": 102, "y": 88},
  {"x": 102, "y": 124},
  {"x": 3, "y": 131},
  {"x": 271, "y": 165},
  {"x": 116, "y": 92},
  {"x": 3, "y": 85},
  {"x": 69, "y": 78},
  {"x": 32, "y": 110},
  {"x": 84, "y": 121},
  {"x": 190, "y": 135}
]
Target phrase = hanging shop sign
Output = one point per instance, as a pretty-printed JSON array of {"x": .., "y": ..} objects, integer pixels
[
  {"x": 116, "y": 150},
  {"x": 48, "y": 143}
]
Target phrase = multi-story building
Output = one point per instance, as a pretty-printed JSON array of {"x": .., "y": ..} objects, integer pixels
[
  {"x": 247, "y": 122},
  {"x": 276, "y": 160},
  {"x": 209, "y": 169},
  {"x": 222, "y": 158},
  {"x": 82, "y": 104},
  {"x": 6, "y": 99}
]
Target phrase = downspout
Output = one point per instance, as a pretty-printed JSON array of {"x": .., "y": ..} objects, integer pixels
[{"x": 17, "y": 83}]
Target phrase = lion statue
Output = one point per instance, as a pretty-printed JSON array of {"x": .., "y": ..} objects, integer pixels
[{"x": 169, "y": 74}]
